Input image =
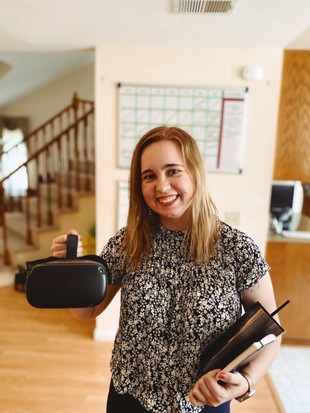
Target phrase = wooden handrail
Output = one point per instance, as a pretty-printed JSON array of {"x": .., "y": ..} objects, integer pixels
[
  {"x": 74, "y": 105},
  {"x": 70, "y": 145},
  {"x": 47, "y": 145}
]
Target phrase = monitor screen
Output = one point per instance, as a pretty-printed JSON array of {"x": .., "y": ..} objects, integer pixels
[
  {"x": 286, "y": 203},
  {"x": 281, "y": 199}
]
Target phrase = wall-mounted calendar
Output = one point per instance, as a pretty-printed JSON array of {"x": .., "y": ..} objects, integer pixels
[{"x": 215, "y": 117}]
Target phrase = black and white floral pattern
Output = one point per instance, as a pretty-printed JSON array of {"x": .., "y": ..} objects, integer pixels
[{"x": 171, "y": 308}]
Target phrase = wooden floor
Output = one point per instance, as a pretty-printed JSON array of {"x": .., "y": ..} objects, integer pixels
[{"x": 50, "y": 364}]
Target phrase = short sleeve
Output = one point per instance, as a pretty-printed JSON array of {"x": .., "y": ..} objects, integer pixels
[
  {"x": 114, "y": 256},
  {"x": 250, "y": 263}
]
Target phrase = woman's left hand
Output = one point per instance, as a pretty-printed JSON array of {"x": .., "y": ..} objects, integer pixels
[{"x": 217, "y": 387}]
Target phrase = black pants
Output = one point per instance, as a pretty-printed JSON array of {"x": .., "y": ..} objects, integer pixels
[{"x": 121, "y": 403}]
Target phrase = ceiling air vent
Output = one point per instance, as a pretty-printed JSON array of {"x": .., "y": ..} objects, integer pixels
[{"x": 204, "y": 6}]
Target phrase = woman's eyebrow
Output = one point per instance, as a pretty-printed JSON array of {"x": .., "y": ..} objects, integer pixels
[
  {"x": 167, "y": 165},
  {"x": 172, "y": 165},
  {"x": 146, "y": 171}
]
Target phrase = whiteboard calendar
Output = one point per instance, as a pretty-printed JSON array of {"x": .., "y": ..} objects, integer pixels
[{"x": 215, "y": 117}]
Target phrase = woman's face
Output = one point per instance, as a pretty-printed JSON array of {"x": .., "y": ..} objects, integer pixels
[{"x": 167, "y": 186}]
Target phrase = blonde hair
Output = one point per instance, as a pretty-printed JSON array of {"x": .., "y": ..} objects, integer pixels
[{"x": 202, "y": 234}]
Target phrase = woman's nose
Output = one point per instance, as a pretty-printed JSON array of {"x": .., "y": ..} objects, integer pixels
[{"x": 163, "y": 185}]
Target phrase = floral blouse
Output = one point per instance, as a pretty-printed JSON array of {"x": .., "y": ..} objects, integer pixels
[{"x": 171, "y": 308}]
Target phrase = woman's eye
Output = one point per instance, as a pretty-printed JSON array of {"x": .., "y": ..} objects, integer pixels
[
  {"x": 174, "y": 171},
  {"x": 147, "y": 177}
]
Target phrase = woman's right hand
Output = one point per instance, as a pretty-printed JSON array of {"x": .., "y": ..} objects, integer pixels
[{"x": 59, "y": 245}]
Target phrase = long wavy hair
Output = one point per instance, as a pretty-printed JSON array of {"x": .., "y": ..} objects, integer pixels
[{"x": 202, "y": 233}]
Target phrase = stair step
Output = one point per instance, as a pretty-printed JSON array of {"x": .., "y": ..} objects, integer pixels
[
  {"x": 70, "y": 179},
  {"x": 52, "y": 203},
  {"x": 16, "y": 220},
  {"x": 82, "y": 217},
  {"x": 16, "y": 224},
  {"x": 14, "y": 243},
  {"x": 83, "y": 166},
  {"x": 53, "y": 188}
]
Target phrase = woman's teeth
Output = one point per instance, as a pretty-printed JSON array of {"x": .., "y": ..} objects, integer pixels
[{"x": 167, "y": 199}]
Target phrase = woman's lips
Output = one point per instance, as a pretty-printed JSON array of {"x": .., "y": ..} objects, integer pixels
[{"x": 167, "y": 199}]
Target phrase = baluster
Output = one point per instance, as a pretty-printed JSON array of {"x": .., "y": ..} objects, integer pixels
[
  {"x": 86, "y": 157},
  {"x": 6, "y": 255},
  {"x": 38, "y": 193},
  {"x": 76, "y": 145},
  {"x": 67, "y": 171},
  {"x": 60, "y": 169},
  {"x": 48, "y": 188}
]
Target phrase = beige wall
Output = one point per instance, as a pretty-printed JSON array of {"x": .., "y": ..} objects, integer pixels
[
  {"x": 40, "y": 105},
  {"x": 246, "y": 194}
]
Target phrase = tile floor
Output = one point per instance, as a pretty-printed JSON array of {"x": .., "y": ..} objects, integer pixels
[{"x": 290, "y": 376}]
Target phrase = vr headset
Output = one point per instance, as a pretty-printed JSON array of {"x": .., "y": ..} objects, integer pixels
[{"x": 71, "y": 282}]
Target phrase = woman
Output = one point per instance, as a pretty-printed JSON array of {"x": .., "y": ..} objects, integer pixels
[{"x": 184, "y": 276}]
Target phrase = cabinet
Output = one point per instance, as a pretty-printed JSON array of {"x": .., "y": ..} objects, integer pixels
[
  {"x": 290, "y": 273},
  {"x": 290, "y": 260},
  {"x": 292, "y": 160}
]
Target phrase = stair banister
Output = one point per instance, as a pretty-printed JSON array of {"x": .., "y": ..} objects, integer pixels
[{"x": 51, "y": 155}]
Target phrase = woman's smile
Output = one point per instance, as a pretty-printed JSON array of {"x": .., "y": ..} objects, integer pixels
[
  {"x": 167, "y": 186},
  {"x": 167, "y": 200}
]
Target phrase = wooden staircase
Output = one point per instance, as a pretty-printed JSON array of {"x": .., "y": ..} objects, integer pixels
[{"x": 61, "y": 186}]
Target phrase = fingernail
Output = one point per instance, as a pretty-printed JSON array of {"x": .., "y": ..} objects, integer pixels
[{"x": 221, "y": 375}]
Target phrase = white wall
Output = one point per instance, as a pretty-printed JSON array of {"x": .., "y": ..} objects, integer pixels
[{"x": 246, "y": 194}]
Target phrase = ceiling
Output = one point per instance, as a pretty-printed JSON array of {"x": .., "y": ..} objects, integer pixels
[
  {"x": 31, "y": 71},
  {"x": 43, "y": 40}
]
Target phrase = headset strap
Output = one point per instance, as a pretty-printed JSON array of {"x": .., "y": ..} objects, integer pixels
[{"x": 72, "y": 244}]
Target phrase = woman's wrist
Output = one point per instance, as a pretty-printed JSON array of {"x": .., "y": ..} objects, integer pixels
[{"x": 250, "y": 389}]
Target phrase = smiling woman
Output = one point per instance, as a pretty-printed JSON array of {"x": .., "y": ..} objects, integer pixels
[
  {"x": 193, "y": 207},
  {"x": 184, "y": 276}
]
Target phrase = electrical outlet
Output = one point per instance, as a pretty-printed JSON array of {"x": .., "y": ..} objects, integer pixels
[{"x": 232, "y": 218}]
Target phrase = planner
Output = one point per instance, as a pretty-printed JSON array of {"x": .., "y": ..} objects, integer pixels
[
  {"x": 248, "y": 354},
  {"x": 243, "y": 341}
]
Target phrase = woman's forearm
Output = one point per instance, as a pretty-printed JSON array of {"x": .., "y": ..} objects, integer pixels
[{"x": 92, "y": 312}]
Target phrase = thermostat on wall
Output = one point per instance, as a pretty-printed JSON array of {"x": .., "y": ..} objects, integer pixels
[{"x": 252, "y": 72}]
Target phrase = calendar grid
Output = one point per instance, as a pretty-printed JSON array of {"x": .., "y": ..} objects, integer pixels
[{"x": 199, "y": 111}]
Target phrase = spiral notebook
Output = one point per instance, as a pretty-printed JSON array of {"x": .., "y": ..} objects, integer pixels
[{"x": 243, "y": 341}]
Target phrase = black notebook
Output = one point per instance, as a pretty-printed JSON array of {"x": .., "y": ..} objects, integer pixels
[{"x": 250, "y": 334}]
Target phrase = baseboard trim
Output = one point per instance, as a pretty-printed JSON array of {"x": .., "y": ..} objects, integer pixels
[
  {"x": 275, "y": 394},
  {"x": 103, "y": 335},
  {"x": 7, "y": 278}
]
